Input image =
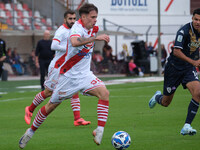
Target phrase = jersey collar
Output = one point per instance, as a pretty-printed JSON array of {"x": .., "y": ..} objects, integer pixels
[
  {"x": 80, "y": 21},
  {"x": 194, "y": 30},
  {"x": 192, "y": 27},
  {"x": 65, "y": 26}
]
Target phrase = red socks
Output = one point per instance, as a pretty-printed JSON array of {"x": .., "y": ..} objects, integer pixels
[
  {"x": 39, "y": 98},
  {"x": 75, "y": 104},
  {"x": 39, "y": 119},
  {"x": 102, "y": 112}
]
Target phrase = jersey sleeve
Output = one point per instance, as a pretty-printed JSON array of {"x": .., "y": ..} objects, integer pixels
[
  {"x": 75, "y": 31},
  {"x": 58, "y": 36},
  {"x": 180, "y": 39},
  {"x": 55, "y": 46}
]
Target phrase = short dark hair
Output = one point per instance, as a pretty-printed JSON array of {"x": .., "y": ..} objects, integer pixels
[
  {"x": 196, "y": 11},
  {"x": 87, "y": 8},
  {"x": 69, "y": 11}
]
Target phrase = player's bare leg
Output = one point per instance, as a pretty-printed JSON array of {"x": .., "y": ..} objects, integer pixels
[
  {"x": 102, "y": 111},
  {"x": 166, "y": 100},
  {"x": 163, "y": 100}
]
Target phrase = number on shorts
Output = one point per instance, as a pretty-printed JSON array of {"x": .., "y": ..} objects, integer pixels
[
  {"x": 195, "y": 74},
  {"x": 96, "y": 81}
]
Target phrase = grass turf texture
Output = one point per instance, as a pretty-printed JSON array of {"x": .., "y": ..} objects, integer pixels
[{"x": 150, "y": 129}]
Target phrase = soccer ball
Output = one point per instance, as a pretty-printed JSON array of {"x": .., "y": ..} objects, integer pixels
[{"x": 121, "y": 140}]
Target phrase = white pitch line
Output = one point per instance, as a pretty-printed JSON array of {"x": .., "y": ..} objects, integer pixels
[
  {"x": 134, "y": 88},
  {"x": 15, "y": 99},
  {"x": 3, "y": 93},
  {"x": 110, "y": 82},
  {"x": 29, "y": 87}
]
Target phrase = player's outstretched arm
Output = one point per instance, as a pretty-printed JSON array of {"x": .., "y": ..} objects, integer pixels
[{"x": 79, "y": 41}]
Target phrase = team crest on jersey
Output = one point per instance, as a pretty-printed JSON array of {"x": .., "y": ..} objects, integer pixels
[
  {"x": 73, "y": 31},
  {"x": 169, "y": 89}
]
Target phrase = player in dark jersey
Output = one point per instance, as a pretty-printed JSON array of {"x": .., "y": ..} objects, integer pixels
[
  {"x": 2, "y": 54},
  {"x": 180, "y": 69}
]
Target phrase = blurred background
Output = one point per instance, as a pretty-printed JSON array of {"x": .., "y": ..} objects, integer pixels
[{"x": 132, "y": 25}]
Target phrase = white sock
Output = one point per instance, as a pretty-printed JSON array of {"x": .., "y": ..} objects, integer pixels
[
  {"x": 30, "y": 132},
  {"x": 100, "y": 128}
]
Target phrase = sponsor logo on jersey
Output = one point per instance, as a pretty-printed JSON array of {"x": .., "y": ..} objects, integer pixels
[
  {"x": 173, "y": 88},
  {"x": 194, "y": 45},
  {"x": 86, "y": 55}
]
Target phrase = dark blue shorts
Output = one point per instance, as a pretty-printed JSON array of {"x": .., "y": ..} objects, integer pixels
[{"x": 173, "y": 78}]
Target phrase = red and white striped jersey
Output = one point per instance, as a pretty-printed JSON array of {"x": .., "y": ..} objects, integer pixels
[
  {"x": 78, "y": 59},
  {"x": 62, "y": 36}
]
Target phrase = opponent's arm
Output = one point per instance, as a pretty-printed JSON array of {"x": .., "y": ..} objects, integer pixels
[
  {"x": 178, "y": 53},
  {"x": 78, "y": 41},
  {"x": 55, "y": 46}
]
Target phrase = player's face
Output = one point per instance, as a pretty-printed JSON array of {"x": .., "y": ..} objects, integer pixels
[
  {"x": 196, "y": 22},
  {"x": 70, "y": 20},
  {"x": 90, "y": 19}
]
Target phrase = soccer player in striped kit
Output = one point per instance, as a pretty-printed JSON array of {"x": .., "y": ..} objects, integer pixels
[
  {"x": 60, "y": 45},
  {"x": 75, "y": 74}
]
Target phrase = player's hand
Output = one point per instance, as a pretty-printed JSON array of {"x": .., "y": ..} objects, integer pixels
[
  {"x": 103, "y": 37},
  {"x": 196, "y": 63}
]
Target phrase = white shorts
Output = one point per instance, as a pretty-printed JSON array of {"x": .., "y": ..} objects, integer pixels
[
  {"x": 67, "y": 87},
  {"x": 52, "y": 79}
]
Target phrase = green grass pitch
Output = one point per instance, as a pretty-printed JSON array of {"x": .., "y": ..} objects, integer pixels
[{"x": 150, "y": 129}]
